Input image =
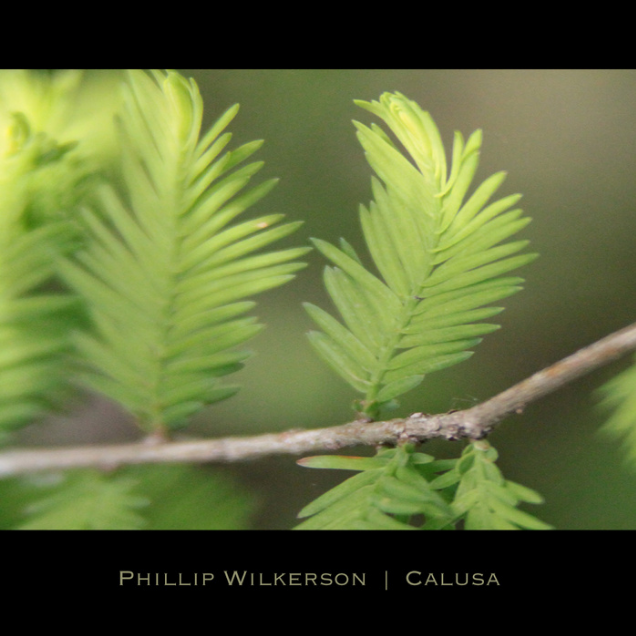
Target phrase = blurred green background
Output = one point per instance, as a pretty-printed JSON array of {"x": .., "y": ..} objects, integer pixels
[{"x": 568, "y": 141}]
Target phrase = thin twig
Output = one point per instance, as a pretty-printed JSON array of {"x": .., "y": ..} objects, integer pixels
[{"x": 473, "y": 423}]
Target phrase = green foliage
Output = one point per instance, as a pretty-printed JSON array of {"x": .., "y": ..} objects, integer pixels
[
  {"x": 65, "y": 106},
  {"x": 46, "y": 171},
  {"x": 39, "y": 187},
  {"x": 164, "y": 275},
  {"x": 441, "y": 259},
  {"x": 123, "y": 268},
  {"x": 139, "y": 497},
  {"x": 387, "y": 492},
  {"x": 402, "y": 489},
  {"x": 619, "y": 395},
  {"x": 161, "y": 271},
  {"x": 85, "y": 500},
  {"x": 183, "y": 497},
  {"x": 484, "y": 499}
]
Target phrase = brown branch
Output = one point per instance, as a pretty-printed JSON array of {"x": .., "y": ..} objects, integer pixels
[{"x": 473, "y": 423}]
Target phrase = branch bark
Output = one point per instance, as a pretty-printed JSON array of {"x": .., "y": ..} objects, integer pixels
[{"x": 472, "y": 423}]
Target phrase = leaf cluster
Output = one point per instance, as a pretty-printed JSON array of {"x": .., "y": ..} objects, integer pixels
[
  {"x": 388, "y": 492},
  {"x": 484, "y": 498},
  {"x": 137, "y": 280},
  {"x": 41, "y": 182},
  {"x": 86, "y": 500},
  {"x": 158, "y": 272},
  {"x": 440, "y": 254},
  {"x": 166, "y": 275},
  {"x": 403, "y": 489},
  {"x": 138, "y": 497}
]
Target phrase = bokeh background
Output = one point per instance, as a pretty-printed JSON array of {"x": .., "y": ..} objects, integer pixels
[{"x": 567, "y": 139}]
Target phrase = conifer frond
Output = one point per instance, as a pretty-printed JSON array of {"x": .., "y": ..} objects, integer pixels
[
  {"x": 619, "y": 395},
  {"x": 398, "y": 486},
  {"x": 387, "y": 492},
  {"x": 166, "y": 275},
  {"x": 484, "y": 498},
  {"x": 86, "y": 500},
  {"x": 152, "y": 497},
  {"x": 38, "y": 191},
  {"x": 441, "y": 257}
]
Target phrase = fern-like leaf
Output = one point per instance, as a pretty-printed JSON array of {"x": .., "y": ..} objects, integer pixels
[
  {"x": 167, "y": 276},
  {"x": 384, "y": 495},
  {"x": 38, "y": 191},
  {"x": 86, "y": 500},
  {"x": 484, "y": 498},
  {"x": 441, "y": 257}
]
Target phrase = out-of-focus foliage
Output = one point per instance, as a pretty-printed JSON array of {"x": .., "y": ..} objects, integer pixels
[
  {"x": 192, "y": 498},
  {"x": 122, "y": 268},
  {"x": 70, "y": 106},
  {"x": 142, "y": 497},
  {"x": 619, "y": 395},
  {"x": 85, "y": 500},
  {"x": 45, "y": 174}
]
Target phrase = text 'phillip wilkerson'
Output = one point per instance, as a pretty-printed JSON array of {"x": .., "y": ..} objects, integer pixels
[{"x": 242, "y": 578}]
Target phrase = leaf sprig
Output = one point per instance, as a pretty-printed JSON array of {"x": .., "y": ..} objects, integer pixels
[
  {"x": 441, "y": 256},
  {"x": 168, "y": 497},
  {"x": 86, "y": 500},
  {"x": 484, "y": 498},
  {"x": 402, "y": 489},
  {"x": 39, "y": 189},
  {"x": 387, "y": 492},
  {"x": 166, "y": 276},
  {"x": 441, "y": 259}
]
